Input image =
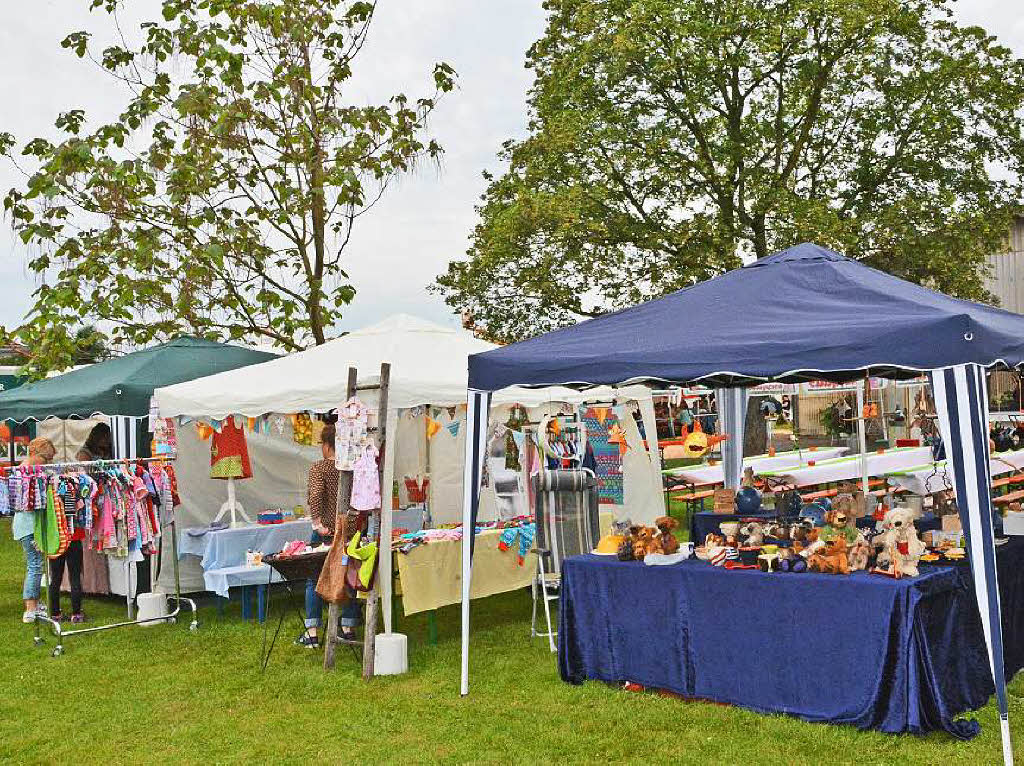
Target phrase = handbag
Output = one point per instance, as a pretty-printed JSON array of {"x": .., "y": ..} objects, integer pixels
[
  {"x": 334, "y": 576},
  {"x": 55, "y": 525}
]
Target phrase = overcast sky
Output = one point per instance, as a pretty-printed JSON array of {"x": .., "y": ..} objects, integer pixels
[{"x": 425, "y": 220}]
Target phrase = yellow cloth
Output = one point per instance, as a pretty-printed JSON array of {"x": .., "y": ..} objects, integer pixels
[{"x": 431, "y": 574}]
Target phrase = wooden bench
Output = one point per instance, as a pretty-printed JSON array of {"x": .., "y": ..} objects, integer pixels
[
  {"x": 1010, "y": 497},
  {"x": 1007, "y": 481},
  {"x": 812, "y": 496}
]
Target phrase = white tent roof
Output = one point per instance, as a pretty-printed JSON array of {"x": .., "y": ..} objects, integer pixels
[{"x": 429, "y": 365}]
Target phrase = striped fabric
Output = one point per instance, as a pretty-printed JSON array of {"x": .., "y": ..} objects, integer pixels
[
  {"x": 478, "y": 405},
  {"x": 732, "y": 413},
  {"x": 961, "y": 402},
  {"x": 125, "y": 432}
]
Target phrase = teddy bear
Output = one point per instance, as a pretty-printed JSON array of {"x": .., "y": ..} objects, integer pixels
[
  {"x": 753, "y": 534},
  {"x": 831, "y": 559},
  {"x": 900, "y": 546},
  {"x": 644, "y": 543},
  {"x": 667, "y": 540},
  {"x": 838, "y": 524},
  {"x": 776, "y": 532}
]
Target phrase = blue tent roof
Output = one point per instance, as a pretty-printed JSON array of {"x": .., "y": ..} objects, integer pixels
[{"x": 805, "y": 313}]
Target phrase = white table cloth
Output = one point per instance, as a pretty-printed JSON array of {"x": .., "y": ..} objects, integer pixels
[
  {"x": 715, "y": 474},
  {"x": 220, "y": 581},
  {"x": 931, "y": 477},
  {"x": 849, "y": 468},
  {"x": 226, "y": 547}
]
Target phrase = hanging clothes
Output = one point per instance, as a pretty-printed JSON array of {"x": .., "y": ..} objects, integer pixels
[{"x": 366, "y": 481}]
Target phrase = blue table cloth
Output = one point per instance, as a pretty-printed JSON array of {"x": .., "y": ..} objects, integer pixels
[
  {"x": 226, "y": 547},
  {"x": 706, "y": 521},
  {"x": 866, "y": 650}
]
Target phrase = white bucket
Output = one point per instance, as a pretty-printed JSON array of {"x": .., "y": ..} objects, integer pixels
[
  {"x": 151, "y": 605},
  {"x": 391, "y": 654}
]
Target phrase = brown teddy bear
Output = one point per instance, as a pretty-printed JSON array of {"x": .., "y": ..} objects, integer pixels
[
  {"x": 666, "y": 539},
  {"x": 643, "y": 543},
  {"x": 831, "y": 559}
]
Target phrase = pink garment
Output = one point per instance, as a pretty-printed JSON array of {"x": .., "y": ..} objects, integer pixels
[{"x": 366, "y": 481}]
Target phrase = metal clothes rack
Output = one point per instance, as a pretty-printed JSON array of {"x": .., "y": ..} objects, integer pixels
[{"x": 178, "y": 599}]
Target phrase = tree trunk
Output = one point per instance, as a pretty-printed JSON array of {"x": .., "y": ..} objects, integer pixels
[{"x": 754, "y": 431}]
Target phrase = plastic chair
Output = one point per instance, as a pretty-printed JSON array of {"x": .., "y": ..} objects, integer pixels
[{"x": 568, "y": 524}]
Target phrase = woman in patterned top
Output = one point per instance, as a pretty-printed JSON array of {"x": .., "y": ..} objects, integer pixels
[{"x": 322, "y": 501}]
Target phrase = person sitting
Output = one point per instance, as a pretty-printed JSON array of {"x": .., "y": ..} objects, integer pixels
[{"x": 98, "y": 446}]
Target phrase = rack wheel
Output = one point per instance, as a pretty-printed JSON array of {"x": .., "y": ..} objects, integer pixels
[
  {"x": 172, "y": 620},
  {"x": 38, "y": 640},
  {"x": 194, "y": 626},
  {"x": 57, "y": 651}
]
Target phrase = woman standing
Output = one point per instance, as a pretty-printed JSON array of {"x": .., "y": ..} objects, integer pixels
[
  {"x": 40, "y": 452},
  {"x": 322, "y": 500},
  {"x": 99, "y": 445}
]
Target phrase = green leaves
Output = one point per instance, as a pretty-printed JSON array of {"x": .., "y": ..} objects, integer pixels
[
  {"x": 668, "y": 137},
  {"x": 220, "y": 202}
]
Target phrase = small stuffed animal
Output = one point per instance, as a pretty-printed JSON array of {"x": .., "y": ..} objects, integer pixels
[
  {"x": 832, "y": 559},
  {"x": 776, "y": 532},
  {"x": 644, "y": 543},
  {"x": 713, "y": 540},
  {"x": 667, "y": 540},
  {"x": 901, "y": 547},
  {"x": 837, "y": 524},
  {"x": 859, "y": 556},
  {"x": 753, "y": 534}
]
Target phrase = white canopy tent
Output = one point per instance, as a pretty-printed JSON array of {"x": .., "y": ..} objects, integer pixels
[{"x": 429, "y": 366}]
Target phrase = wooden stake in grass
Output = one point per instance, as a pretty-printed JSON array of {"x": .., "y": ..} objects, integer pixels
[{"x": 370, "y": 631}]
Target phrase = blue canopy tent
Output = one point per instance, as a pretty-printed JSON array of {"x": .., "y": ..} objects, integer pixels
[{"x": 806, "y": 313}]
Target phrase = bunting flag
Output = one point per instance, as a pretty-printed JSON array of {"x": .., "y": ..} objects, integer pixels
[
  {"x": 520, "y": 439},
  {"x": 602, "y": 414},
  {"x": 203, "y": 430},
  {"x": 432, "y": 427},
  {"x": 453, "y": 428},
  {"x": 556, "y": 426}
]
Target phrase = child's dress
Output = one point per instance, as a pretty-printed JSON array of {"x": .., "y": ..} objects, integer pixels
[{"x": 366, "y": 481}]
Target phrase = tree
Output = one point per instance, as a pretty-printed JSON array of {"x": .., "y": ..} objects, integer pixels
[
  {"x": 221, "y": 202},
  {"x": 668, "y": 139}
]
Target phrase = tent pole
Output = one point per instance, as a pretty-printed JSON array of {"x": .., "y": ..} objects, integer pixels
[
  {"x": 477, "y": 405},
  {"x": 387, "y": 518},
  {"x": 862, "y": 438}
]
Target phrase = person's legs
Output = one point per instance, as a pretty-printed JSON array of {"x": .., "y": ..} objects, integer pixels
[
  {"x": 56, "y": 576},
  {"x": 33, "y": 573},
  {"x": 314, "y": 607},
  {"x": 73, "y": 555}
]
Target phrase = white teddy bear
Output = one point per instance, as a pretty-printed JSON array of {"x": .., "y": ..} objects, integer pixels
[{"x": 901, "y": 547}]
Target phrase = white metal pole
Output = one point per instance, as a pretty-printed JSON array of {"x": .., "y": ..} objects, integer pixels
[{"x": 862, "y": 439}]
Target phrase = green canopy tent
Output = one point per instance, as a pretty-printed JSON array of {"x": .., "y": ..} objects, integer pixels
[
  {"x": 124, "y": 386},
  {"x": 121, "y": 389}
]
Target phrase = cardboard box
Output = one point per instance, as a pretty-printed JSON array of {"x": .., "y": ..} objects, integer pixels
[
  {"x": 725, "y": 501},
  {"x": 951, "y": 523}
]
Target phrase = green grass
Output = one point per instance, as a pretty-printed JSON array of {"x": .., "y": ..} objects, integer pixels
[{"x": 162, "y": 693}]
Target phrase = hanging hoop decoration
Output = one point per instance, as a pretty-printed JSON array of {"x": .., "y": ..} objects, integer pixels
[{"x": 547, "y": 450}]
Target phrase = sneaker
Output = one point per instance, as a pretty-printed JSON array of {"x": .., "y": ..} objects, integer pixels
[
  {"x": 78, "y": 617},
  {"x": 28, "y": 617},
  {"x": 57, "y": 617},
  {"x": 308, "y": 641}
]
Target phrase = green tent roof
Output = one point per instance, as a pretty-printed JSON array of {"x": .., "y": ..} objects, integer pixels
[{"x": 124, "y": 386}]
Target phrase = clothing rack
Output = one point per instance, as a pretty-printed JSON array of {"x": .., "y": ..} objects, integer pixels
[{"x": 178, "y": 599}]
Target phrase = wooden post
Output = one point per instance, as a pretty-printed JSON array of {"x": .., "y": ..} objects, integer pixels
[
  {"x": 340, "y": 528},
  {"x": 370, "y": 630}
]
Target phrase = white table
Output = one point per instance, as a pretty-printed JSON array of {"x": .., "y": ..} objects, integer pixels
[
  {"x": 931, "y": 477},
  {"x": 849, "y": 468},
  {"x": 715, "y": 474},
  {"x": 219, "y": 581}
]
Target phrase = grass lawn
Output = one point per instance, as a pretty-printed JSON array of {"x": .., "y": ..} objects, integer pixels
[{"x": 165, "y": 694}]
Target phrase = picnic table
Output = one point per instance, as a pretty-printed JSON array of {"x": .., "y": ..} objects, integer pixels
[
  {"x": 849, "y": 468},
  {"x": 702, "y": 474}
]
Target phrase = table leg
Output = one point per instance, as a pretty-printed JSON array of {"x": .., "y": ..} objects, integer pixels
[
  {"x": 246, "y": 605},
  {"x": 261, "y": 603},
  {"x": 432, "y": 627}
]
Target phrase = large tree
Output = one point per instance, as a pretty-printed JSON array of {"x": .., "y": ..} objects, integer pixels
[
  {"x": 670, "y": 138},
  {"x": 221, "y": 200}
]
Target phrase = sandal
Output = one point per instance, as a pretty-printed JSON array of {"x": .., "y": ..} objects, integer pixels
[{"x": 308, "y": 641}]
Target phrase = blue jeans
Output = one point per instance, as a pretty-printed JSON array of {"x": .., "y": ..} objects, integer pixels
[
  {"x": 33, "y": 568},
  {"x": 350, "y": 615}
]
